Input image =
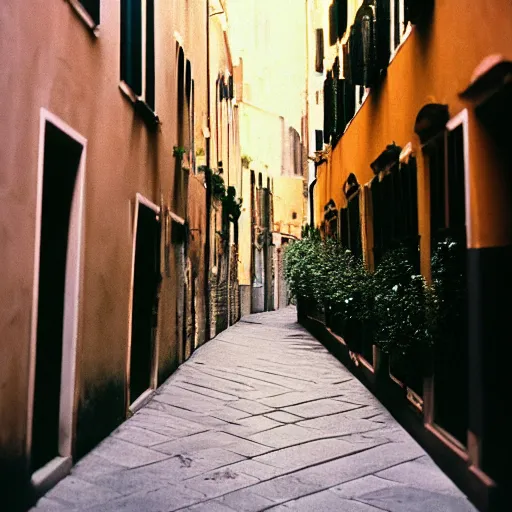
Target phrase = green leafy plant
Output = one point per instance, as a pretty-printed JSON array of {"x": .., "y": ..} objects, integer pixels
[
  {"x": 449, "y": 284},
  {"x": 401, "y": 299},
  {"x": 394, "y": 305},
  {"x": 179, "y": 151}
]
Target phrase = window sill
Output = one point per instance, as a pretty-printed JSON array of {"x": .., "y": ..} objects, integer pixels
[
  {"x": 146, "y": 113},
  {"x": 84, "y": 16}
]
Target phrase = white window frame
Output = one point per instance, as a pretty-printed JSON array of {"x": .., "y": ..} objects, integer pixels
[
  {"x": 84, "y": 15},
  {"x": 405, "y": 31},
  {"x": 462, "y": 119},
  {"x": 60, "y": 465},
  {"x": 123, "y": 86}
]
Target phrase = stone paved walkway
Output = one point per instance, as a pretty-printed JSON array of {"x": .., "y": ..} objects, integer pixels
[{"x": 261, "y": 418}]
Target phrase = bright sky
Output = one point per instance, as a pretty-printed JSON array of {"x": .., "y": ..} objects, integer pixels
[{"x": 270, "y": 37}]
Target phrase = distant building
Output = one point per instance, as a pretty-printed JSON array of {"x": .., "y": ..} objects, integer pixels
[{"x": 270, "y": 80}]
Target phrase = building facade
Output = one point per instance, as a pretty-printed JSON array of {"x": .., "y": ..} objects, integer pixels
[
  {"x": 108, "y": 129},
  {"x": 415, "y": 100},
  {"x": 270, "y": 82}
]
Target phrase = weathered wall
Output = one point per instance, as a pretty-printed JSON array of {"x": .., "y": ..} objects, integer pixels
[{"x": 50, "y": 59}]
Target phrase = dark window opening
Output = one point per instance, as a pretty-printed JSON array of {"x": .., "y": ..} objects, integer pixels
[
  {"x": 354, "y": 221},
  {"x": 397, "y": 33},
  {"x": 319, "y": 61},
  {"x": 456, "y": 187},
  {"x": 435, "y": 151},
  {"x": 131, "y": 44},
  {"x": 333, "y": 25},
  {"x": 319, "y": 140},
  {"x": 93, "y": 9},
  {"x": 181, "y": 98},
  {"x": 395, "y": 212},
  {"x": 150, "y": 53},
  {"x": 135, "y": 41},
  {"x": 350, "y": 227},
  {"x": 344, "y": 228},
  {"x": 294, "y": 215}
]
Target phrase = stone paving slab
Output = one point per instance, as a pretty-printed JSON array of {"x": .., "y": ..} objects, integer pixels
[{"x": 260, "y": 418}]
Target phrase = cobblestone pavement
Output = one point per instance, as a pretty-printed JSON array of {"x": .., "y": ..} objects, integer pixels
[{"x": 260, "y": 418}]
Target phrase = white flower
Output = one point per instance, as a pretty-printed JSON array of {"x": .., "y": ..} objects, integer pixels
[{"x": 395, "y": 288}]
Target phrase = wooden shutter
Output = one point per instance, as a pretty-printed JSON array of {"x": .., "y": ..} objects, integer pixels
[
  {"x": 456, "y": 179},
  {"x": 355, "y": 227},
  {"x": 376, "y": 218},
  {"x": 319, "y": 140},
  {"x": 436, "y": 159},
  {"x": 342, "y": 10},
  {"x": 319, "y": 61},
  {"x": 333, "y": 25},
  {"x": 344, "y": 228}
]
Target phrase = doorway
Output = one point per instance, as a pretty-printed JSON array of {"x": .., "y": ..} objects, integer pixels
[
  {"x": 178, "y": 239},
  {"x": 55, "y": 297},
  {"x": 146, "y": 285}
]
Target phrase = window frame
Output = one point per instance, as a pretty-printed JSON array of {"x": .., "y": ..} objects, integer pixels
[
  {"x": 404, "y": 33},
  {"x": 87, "y": 18},
  {"x": 462, "y": 120},
  {"x": 146, "y": 104}
]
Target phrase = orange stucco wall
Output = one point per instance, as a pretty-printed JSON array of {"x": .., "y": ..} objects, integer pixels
[{"x": 432, "y": 66}]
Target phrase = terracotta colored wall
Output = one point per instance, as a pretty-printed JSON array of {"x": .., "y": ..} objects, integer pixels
[
  {"x": 50, "y": 59},
  {"x": 432, "y": 66}
]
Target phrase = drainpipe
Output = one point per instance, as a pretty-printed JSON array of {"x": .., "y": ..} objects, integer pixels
[{"x": 208, "y": 183}]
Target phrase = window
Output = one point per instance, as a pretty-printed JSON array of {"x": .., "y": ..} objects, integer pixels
[
  {"x": 138, "y": 48},
  {"x": 354, "y": 221},
  {"x": 319, "y": 61},
  {"x": 446, "y": 154},
  {"x": 394, "y": 199},
  {"x": 398, "y": 23},
  {"x": 319, "y": 140},
  {"x": 447, "y": 181},
  {"x": 350, "y": 226},
  {"x": 89, "y": 9},
  {"x": 333, "y": 25},
  {"x": 294, "y": 215}
]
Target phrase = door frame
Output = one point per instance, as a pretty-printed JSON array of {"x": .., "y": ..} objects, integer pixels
[
  {"x": 73, "y": 285},
  {"x": 132, "y": 407}
]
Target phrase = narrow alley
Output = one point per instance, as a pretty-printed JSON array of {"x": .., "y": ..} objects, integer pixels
[{"x": 260, "y": 418}]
